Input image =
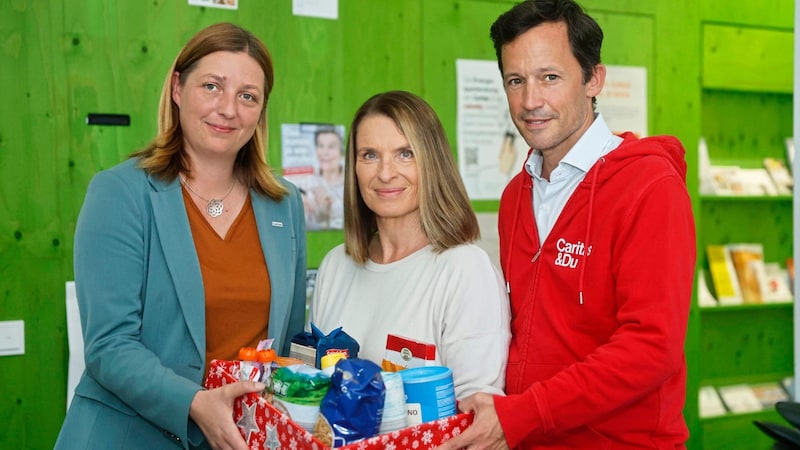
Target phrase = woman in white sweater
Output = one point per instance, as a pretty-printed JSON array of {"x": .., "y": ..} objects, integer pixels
[{"x": 409, "y": 265}]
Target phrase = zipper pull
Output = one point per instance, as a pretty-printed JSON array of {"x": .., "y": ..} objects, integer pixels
[
  {"x": 536, "y": 256},
  {"x": 508, "y": 288}
]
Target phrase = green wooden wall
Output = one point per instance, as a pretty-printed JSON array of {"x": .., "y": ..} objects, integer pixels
[{"x": 62, "y": 60}]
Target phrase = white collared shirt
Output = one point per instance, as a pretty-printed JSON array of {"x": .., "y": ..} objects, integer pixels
[{"x": 549, "y": 197}]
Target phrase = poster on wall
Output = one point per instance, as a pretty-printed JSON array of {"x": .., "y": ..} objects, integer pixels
[
  {"x": 489, "y": 147},
  {"x": 225, "y": 4},
  {"x": 623, "y": 100},
  {"x": 324, "y": 9},
  {"x": 313, "y": 159},
  {"x": 490, "y": 150}
]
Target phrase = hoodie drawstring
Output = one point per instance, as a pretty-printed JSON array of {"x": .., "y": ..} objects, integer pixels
[
  {"x": 511, "y": 238},
  {"x": 588, "y": 229}
]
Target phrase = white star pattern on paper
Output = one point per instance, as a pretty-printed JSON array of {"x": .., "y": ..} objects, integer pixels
[
  {"x": 248, "y": 422},
  {"x": 272, "y": 442}
]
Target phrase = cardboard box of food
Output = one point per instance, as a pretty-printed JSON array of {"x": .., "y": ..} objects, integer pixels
[
  {"x": 405, "y": 353},
  {"x": 266, "y": 428}
]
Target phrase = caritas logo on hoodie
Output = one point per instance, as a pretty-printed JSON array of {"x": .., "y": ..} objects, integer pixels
[{"x": 569, "y": 252}]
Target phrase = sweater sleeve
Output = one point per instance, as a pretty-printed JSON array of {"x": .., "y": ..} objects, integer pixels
[
  {"x": 653, "y": 267},
  {"x": 476, "y": 327}
]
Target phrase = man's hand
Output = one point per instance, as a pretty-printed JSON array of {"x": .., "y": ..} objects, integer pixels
[
  {"x": 485, "y": 433},
  {"x": 212, "y": 411}
]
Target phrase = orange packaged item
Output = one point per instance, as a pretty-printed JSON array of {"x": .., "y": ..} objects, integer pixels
[
  {"x": 266, "y": 355},
  {"x": 248, "y": 354}
]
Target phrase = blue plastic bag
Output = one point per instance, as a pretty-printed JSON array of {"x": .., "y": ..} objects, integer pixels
[{"x": 353, "y": 406}]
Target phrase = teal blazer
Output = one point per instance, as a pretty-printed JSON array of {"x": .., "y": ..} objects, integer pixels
[{"x": 142, "y": 308}]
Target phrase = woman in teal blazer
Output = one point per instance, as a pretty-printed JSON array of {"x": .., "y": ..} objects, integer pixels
[{"x": 138, "y": 273}]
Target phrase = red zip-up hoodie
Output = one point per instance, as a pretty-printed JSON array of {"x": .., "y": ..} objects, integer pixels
[{"x": 600, "y": 308}]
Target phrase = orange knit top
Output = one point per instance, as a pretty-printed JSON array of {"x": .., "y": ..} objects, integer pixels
[{"x": 236, "y": 282}]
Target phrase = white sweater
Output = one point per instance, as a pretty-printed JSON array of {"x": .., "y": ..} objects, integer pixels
[{"x": 455, "y": 299}]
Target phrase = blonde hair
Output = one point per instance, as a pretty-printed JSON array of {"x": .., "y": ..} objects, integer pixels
[
  {"x": 164, "y": 156},
  {"x": 446, "y": 216}
]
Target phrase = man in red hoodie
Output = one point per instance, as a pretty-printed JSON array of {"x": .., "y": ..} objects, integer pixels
[{"x": 597, "y": 245}]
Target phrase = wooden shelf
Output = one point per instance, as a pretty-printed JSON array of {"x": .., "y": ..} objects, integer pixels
[
  {"x": 745, "y": 307},
  {"x": 745, "y": 198}
]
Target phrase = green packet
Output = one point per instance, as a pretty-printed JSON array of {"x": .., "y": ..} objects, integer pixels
[{"x": 299, "y": 384}]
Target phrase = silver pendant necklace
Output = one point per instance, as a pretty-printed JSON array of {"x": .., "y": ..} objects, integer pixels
[{"x": 214, "y": 207}]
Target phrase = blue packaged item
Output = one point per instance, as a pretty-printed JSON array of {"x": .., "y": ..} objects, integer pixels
[
  {"x": 337, "y": 341},
  {"x": 353, "y": 406}
]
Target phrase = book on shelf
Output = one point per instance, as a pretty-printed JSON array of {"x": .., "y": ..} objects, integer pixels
[
  {"x": 735, "y": 180},
  {"x": 748, "y": 262},
  {"x": 743, "y": 397},
  {"x": 775, "y": 286},
  {"x": 710, "y": 402},
  {"x": 788, "y": 385},
  {"x": 739, "y": 398},
  {"x": 769, "y": 393},
  {"x": 780, "y": 175},
  {"x": 706, "y": 186},
  {"x": 756, "y": 181},
  {"x": 704, "y": 296},
  {"x": 724, "y": 180},
  {"x": 723, "y": 275}
]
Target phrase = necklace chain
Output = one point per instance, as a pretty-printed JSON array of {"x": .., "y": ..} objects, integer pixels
[{"x": 214, "y": 207}]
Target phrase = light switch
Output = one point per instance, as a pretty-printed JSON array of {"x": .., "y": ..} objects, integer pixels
[{"x": 12, "y": 337}]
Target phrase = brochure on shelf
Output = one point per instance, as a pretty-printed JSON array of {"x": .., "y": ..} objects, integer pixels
[
  {"x": 710, "y": 403},
  {"x": 739, "y": 398}
]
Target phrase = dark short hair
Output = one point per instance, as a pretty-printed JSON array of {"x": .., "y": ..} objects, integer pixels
[{"x": 585, "y": 35}]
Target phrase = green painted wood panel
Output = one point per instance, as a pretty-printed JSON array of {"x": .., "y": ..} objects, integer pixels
[
  {"x": 746, "y": 79},
  {"x": 746, "y": 345},
  {"x": 773, "y": 14},
  {"x": 745, "y": 127},
  {"x": 34, "y": 241},
  {"x": 728, "y": 220},
  {"x": 749, "y": 59},
  {"x": 726, "y": 433},
  {"x": 62, "y": 60}
]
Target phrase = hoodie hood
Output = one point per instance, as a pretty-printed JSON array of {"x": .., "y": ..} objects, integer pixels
[{"x": 667, "y": 147}]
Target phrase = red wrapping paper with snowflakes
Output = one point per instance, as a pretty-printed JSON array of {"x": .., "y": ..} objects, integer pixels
[{"x": 266, "y": 428}]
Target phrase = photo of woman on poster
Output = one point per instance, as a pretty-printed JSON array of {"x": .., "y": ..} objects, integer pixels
[{"x": 313, "y": 161}]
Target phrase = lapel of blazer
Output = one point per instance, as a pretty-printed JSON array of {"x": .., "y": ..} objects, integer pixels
[
  {"x": 175, "y": 237},
  {"x": 274, "y": 230}
]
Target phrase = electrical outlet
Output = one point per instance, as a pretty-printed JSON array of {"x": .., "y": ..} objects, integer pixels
[{"x": 12, "y": 337}]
